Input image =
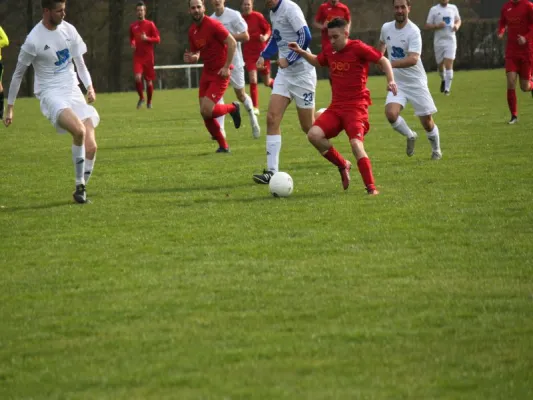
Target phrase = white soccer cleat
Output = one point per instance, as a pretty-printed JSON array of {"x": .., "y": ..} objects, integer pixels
[
  {"x": 410, "y": 150},
  {"x": 256, "y": 129},
  {"x": 256, "y": 111},
  {"x": 436, "y": 155}
]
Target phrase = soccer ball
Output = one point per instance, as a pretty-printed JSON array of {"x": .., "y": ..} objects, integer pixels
[{"x": 281, "y": 184}]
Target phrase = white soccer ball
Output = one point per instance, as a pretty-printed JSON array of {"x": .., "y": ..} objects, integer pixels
[{"x": 281, "y": 184}]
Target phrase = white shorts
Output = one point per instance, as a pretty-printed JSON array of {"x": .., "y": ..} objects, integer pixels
[
  {"x": 54, "y": 102},
  {"x": 236, "y": 78},
  {"x": 420, "y": 99},
  {"x": 446, "y": 51},
  {"x": 301, "y": 88}
]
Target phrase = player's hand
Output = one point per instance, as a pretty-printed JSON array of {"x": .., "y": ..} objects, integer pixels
[
  {"x": 441, "y": 25},
  {"x": 144, "y": 37},
  {"x": 455, "y": 28},
  {"x": 283, "y": 63},
  {"x": 224, "y": 72},
  {"x": 260, "y": 64},
  {"x": 187, "y": 57},
  {"x": 521, "y": 40},
  {"x": 500, "y": 35},
  {"x": 263, "y": 38},
  {"x": 392, "y": 87},
  {"x": 8, "y": 118},
  {"x": 294, "y": 47},
  {"x": 91, "y": 95}
]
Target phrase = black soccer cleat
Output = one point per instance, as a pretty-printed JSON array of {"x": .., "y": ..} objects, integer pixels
[
  {"x": 513, "y": 120},
  {"x": 264, "y": 178},
  {"x": 223, "y": 150},
  {"x": 442, "y": 86},
  {"x": 80, "y": 195},
  {"x": 236, "y": 115},
  {"x": 140, "y": 104}
]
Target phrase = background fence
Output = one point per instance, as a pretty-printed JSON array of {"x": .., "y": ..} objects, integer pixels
[{"x": 104, "y": 26}]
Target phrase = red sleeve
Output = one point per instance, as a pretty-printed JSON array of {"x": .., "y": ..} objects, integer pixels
[
  {"x": 132, "y": 37},
  {"x": 366, "y": 52},
  {"x": 320, "y": 17},
  {"x": 347, "y": 15},
  {"x": 155, "y": 38},
  {"x": 265, "y": 26},
  {"x": 192, "y": 47},
  {"x": 529, "y": 35},
  {"x": 322, "y": 59},
  {"x": 503, "y": 22},
  {"x": 218, "y": 31}
]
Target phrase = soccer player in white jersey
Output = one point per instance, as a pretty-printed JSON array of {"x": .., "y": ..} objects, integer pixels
[
  {"x": 402, "y": 40},
  {"x": 52, "y": 47},
  {"x": 295, "y": 79},
  {"x": 237, "y": 27},
  {"x": 445, "y": 20}
]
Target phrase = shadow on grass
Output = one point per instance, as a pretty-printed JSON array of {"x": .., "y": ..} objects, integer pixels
[
  {"x": 45, "y": 206},
  {"x": 136, "y": 146},
  {"x": 191, "y": 189}
]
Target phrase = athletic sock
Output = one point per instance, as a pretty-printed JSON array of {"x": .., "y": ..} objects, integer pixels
[
  {"x": 365, "y": 169},
  {"x": 248, "y": 104},
  {"x": 273, "y": 148},
  {"x": 401, "y": 126},
  {"x": 89, "y": 166},
  {"x": 214, "y": 129},
  {"x": 149, "y": 91},
  {"x": 222, "y": 120},
  {"x": 448, "y": 77},
  {"x": 333, "y": 156},
  {"x": 434, "y": 138},
  {"x": 222, "y": 109},
  {"x": 78, "y": 159},
  {"x": 254, "y": 93},
  {"x": 511, "y": 101},
  {"x": 140, "y": 89}
]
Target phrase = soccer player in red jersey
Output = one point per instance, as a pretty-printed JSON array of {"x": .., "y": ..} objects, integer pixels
[
  {"x": 348, "y": 62},
  {"x": 143, "y": 36},
  {"x": 259, "y": 31},
  {"x": 328, "y": 11},
  {"x": 209, "y": 40},
  {"x": 517, "y": 17}
]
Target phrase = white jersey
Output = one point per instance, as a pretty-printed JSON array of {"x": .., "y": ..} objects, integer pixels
[
  {"x": 51, "y": 53},
  {"x": 399, "y": 43},
  {"x": 449, "y": 15},
  {"x": 287, "y": 19},
  {"x": 235, "y": 24}
]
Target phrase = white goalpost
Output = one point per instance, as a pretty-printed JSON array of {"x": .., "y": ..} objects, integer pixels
[{"x": 186, "y": 67}]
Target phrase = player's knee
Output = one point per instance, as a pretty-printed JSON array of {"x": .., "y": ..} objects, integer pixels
[
  {"x": 206, "y": 111},
  {"x": 273, "y": 120},
  {"x": 315, "y": 134},
  {"x": 391, "y": 115},
  {"x": 79, "y": 131},
  {"x": 91, "y": 147},
  {"x": 525, "y": 86}
]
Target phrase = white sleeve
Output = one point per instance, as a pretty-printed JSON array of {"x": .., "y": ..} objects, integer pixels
[
  {"x": 431, "y": 16},
  {"x": 78, "y": 47},
  {"x": 382, "y": 35},
  {"x": 457, "y": 16},
  {"x": 239, "y": 24},
  {"x": 83, "y": 72},
  {"x": 28, "y": 48},
  {"x": 296, "y": 18},
  {"x": 415, "y": 43},
  {"x": 16, "y": 80}
]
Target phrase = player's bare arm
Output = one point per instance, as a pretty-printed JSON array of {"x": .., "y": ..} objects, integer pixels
[
  {"x": 319, "y": 25},
  {"x": 385, "y": 65},
  {"x": 310, "y": 58},
  {"x": 191, "y": 58},
  {"x": 382, "y": 47},
  {"x": 232, "y": 46},
  {"x": 409, "y": 61},
  {"x": 457, "y": 25},
  {"x": 241, "y": 37}
]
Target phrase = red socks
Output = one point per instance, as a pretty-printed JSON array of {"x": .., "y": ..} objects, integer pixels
[
  {"x": 333, "y": 156},
  {"x": 254, "y": 94},
  {"x": 222, "y": 109},
  {"x": 213, "y": 127},
  {"x": 511, "y": 101},
  {"x": 149, "y": 91},
  {"x": 140, "y": 89},
  {"x": 365, "y": 169}
]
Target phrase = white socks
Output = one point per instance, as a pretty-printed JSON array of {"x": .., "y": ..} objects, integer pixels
[
  {"x": 78, "y": 158},
  {"x": 248, "y": 104},
  {"x": 221, "y": 119},
  {"x": 273, "y": 147},
  {"x": 401, "y": 126},
  {"x": 89, "y": 166},
  {"x": 448, "y": 77},
  {"x": 434, "y": 139}
]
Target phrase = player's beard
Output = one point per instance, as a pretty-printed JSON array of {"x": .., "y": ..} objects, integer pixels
[
  {"x": 197, "y": 17},
  {"x": 400, "y": 18},
  {"x": 55, "y": 22}
]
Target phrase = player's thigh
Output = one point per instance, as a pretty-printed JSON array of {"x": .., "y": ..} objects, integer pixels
[
  {"x": 138, "y": 67},
  {"x": 149, "y": 71},
  {"x": 524, "y": 72},
  {"x": 302, "y": 89},
  {"x": 355, "y": 123},
  {"x": 236, "y": 79},
  {"x": 394, "y": 104},
  {"x": 422, "y": 101},
  {"x": 329, "y": 123},
  {"x": 85, "y": 112},
  {"x": 68, "y": 121}
]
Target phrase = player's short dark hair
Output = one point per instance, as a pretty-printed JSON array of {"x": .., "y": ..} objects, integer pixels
[
  {"x": 140, "y": 4},
  {"x": 51, "y": 3},
  {"x": 407, "y": 1},
  {"x": 200, "y": 0},
  {"x": 337, "y": 23}
]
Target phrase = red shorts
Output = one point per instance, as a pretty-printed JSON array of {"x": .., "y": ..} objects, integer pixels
[
  {"x": 521, "y": 64},
  {"x": 212, "y": 86},
  {"x": 250, "y": 65},
  {"x": 145, "y": 68},
  {"x": 354, "y": 121}
]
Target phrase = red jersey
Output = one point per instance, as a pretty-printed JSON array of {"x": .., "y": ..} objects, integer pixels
[
  {"x": 144, "y": 49},
  {"x": 518, "y": 19},
  {"x": 348, "y": 69},
  {"x": 208, "y": 39},
  {"x": 327, "y": 12},
  {"x": 257, "y": 26}
]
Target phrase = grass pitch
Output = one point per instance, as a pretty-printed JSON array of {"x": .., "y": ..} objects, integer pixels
[{"x": 185, "y": 280}]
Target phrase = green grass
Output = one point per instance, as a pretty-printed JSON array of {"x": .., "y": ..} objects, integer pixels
[{"x": 185, "y": 280}]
